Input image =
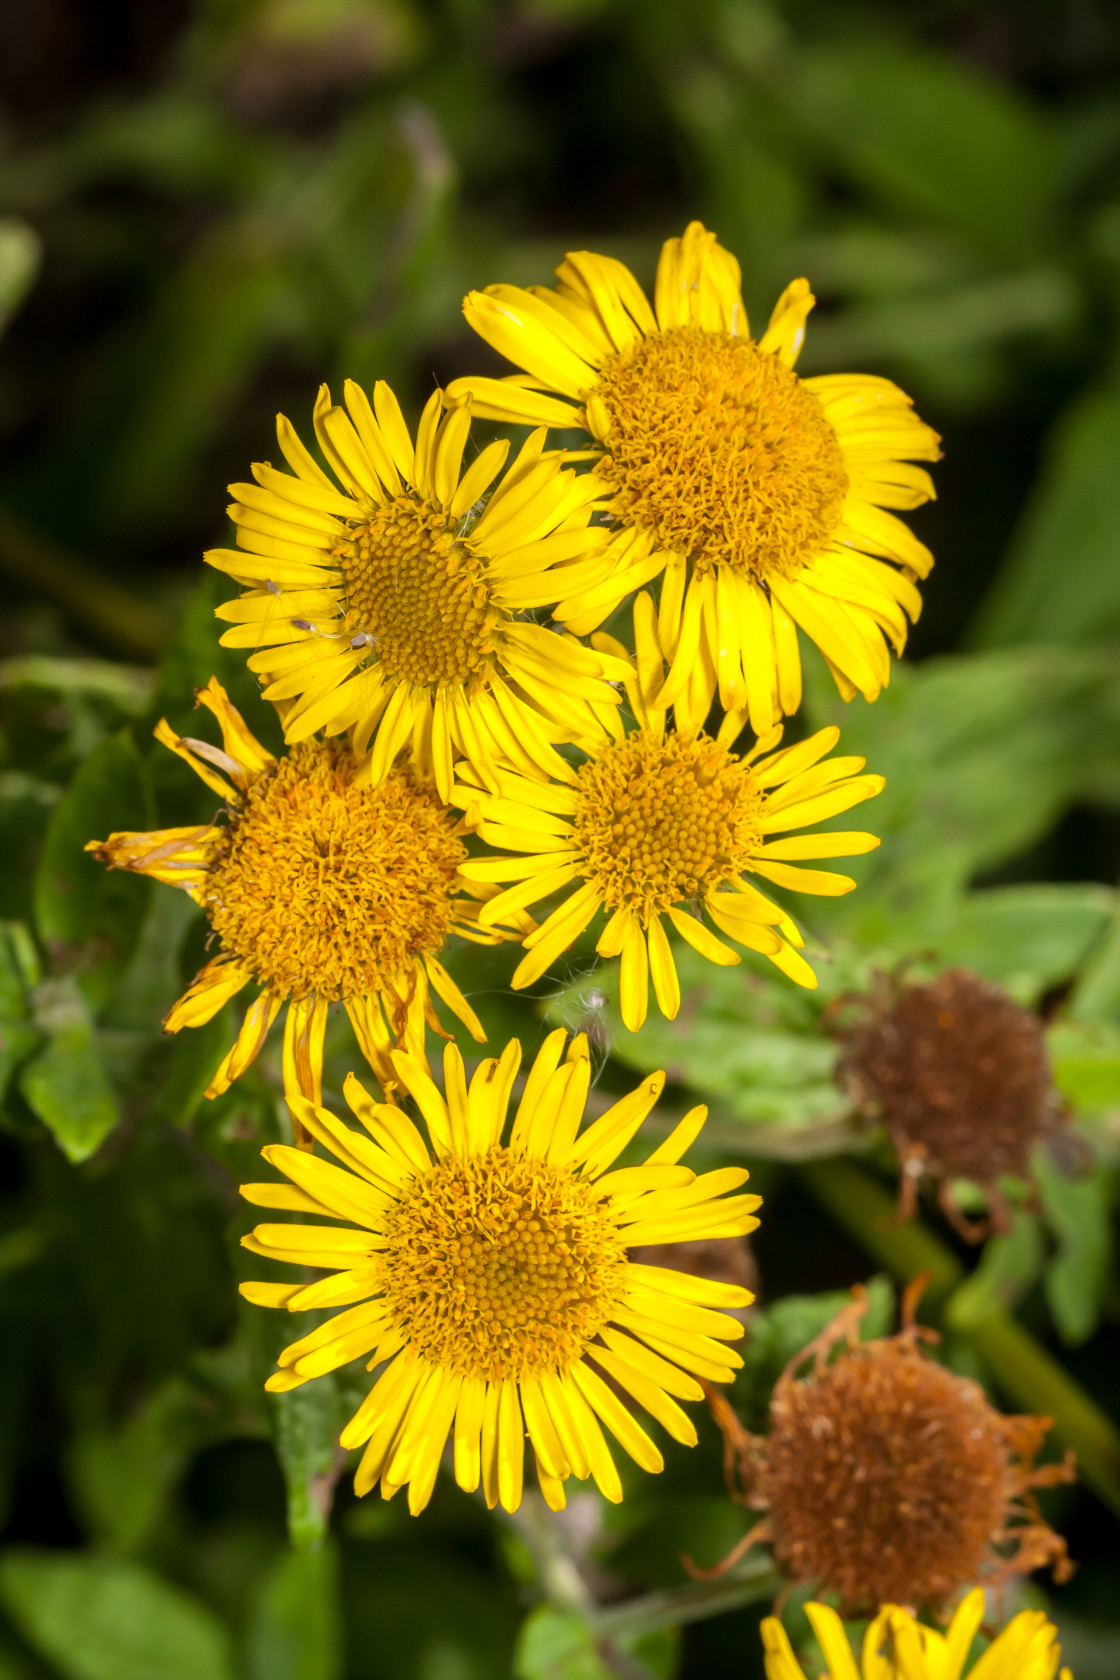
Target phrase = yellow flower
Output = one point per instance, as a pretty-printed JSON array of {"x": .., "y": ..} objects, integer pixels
[
  {"x": 762, "y": 496},
  {"x": 897, "y": 1647},
  {"x": 493, "y": 1276},
  {"x": 668, "y": 823},
  {"x": 395, "y": 606},
  {"x": 319, "y": 890}
]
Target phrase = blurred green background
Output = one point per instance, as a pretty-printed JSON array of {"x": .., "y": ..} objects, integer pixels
[{"x": 207, "y": 208}]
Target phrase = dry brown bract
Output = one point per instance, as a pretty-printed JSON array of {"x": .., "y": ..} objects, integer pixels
[
  {"x": 958, "y": 1073},
  {"x": 887, "y": 1479}
]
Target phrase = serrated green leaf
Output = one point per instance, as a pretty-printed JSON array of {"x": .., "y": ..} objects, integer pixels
[
  {"x": 295, "y": 1632},
  {"x": 1077, "y": 1211},
  {"x": 89, "y": 917},
  {"x": 65, "y": 1083},
  {"x": 99, "y": 1618}
]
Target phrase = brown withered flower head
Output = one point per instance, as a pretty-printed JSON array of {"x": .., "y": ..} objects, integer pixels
[
  {"x": 885, "y": 1478},
  {"x": 958, "y": 1073}
]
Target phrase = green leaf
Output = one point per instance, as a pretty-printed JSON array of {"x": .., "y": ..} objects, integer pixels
[
  {"x": 89, "y": 917},
  {"x": 1096, "y": 997},
  {"x": 1085, "y": 1057},
  {"x": 933, "y": 138},
  {"x": 1060, "y": 581},
  {"x": 295, "y": 1632},
  {"x": 981, "y": 755},
  {"x": 746, "y": 1039},
  {"x": 308, "y": 1421},
  {"x": 121, "y": 1476},
  {"x": 1077, "y": 1211},
  {"x": 20, "y": 254},
  {"x": 103, "y": 1619},
  {"x": 65, "y": 1083},
  {"x": 1029, "y": 938},
  {"x": 1008, "y": 1268},
  {"x": 19, "y": 974},
  {"x": 557, "y": 1645}
]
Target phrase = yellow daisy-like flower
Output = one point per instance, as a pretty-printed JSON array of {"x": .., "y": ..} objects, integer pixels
[
  {"x": 394, "y": 606},
  {"x": 320, "y": 890},
  {"x": 897, "y": 1647},
  {"x": 493, "y": 1276},
  {"x": 762, "y": 496},
  {"x": 668, "y": 823}
]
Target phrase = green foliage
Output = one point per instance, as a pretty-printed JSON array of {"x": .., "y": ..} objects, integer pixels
[
  {"x": 932, "y": 139},
  {"x": 295, "y": 1631},
  {"x": 1077, "y": 1211},
  {"x": 89, "y": 918},
  {"x": 1008, "y": 1267},
  {"x": 104, "y": 1619},
  {"x": 19, "y": 975},
  {"x": 1071, "y": 531},
  {"x": 65, "y": 1083},
  {"x": 557, "y": 1645}
]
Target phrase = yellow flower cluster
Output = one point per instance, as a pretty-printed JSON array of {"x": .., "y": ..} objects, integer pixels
[
  {"x": 393, "y": 607},
  {"x": 465, "y": 745},
  {"x": 469, "y": 753}
]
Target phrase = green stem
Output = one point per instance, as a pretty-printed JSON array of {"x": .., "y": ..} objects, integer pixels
[
  {"x": 749, "y": 1584},
  {"x": 1030, "y": 1377}
]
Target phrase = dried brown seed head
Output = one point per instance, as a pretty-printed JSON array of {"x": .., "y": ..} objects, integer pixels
[
  {"x": 959, "y": 1074},
  {"x": 888, "y": 1479}
]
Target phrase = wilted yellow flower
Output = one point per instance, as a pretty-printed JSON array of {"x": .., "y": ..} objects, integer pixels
[
  {"x": 319, "y": 890},
  {"x": 394, "y": 606},
  {"x": 898, "y": 1647},
  {"x": 762, "y": 496},
  {"x": 669, "y": 823},
  {"x": 493, "y": 1275}
]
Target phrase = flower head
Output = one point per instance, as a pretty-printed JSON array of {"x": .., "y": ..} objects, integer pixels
[
  {"x": 959, "y": 1074},
  {"x": 668, "y": 824},
  {"x": 393, "y": 602},
  {"x": 488, "y": 1272},
  {"x": 898, "y": 1647},
  {"x": 888, "y": 1479},
  {"x": 763, "y": 497},
  {"x": 320, "y": 890}
]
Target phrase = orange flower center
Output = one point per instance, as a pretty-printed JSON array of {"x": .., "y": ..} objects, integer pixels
[
  {"x": 716, "y": 448},
  {"x": 501, "y": 1265},
  {"x": 419, "y": 596},
  {"x": 664, "y": 821},
  {"x": 323, "y": 886}
]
